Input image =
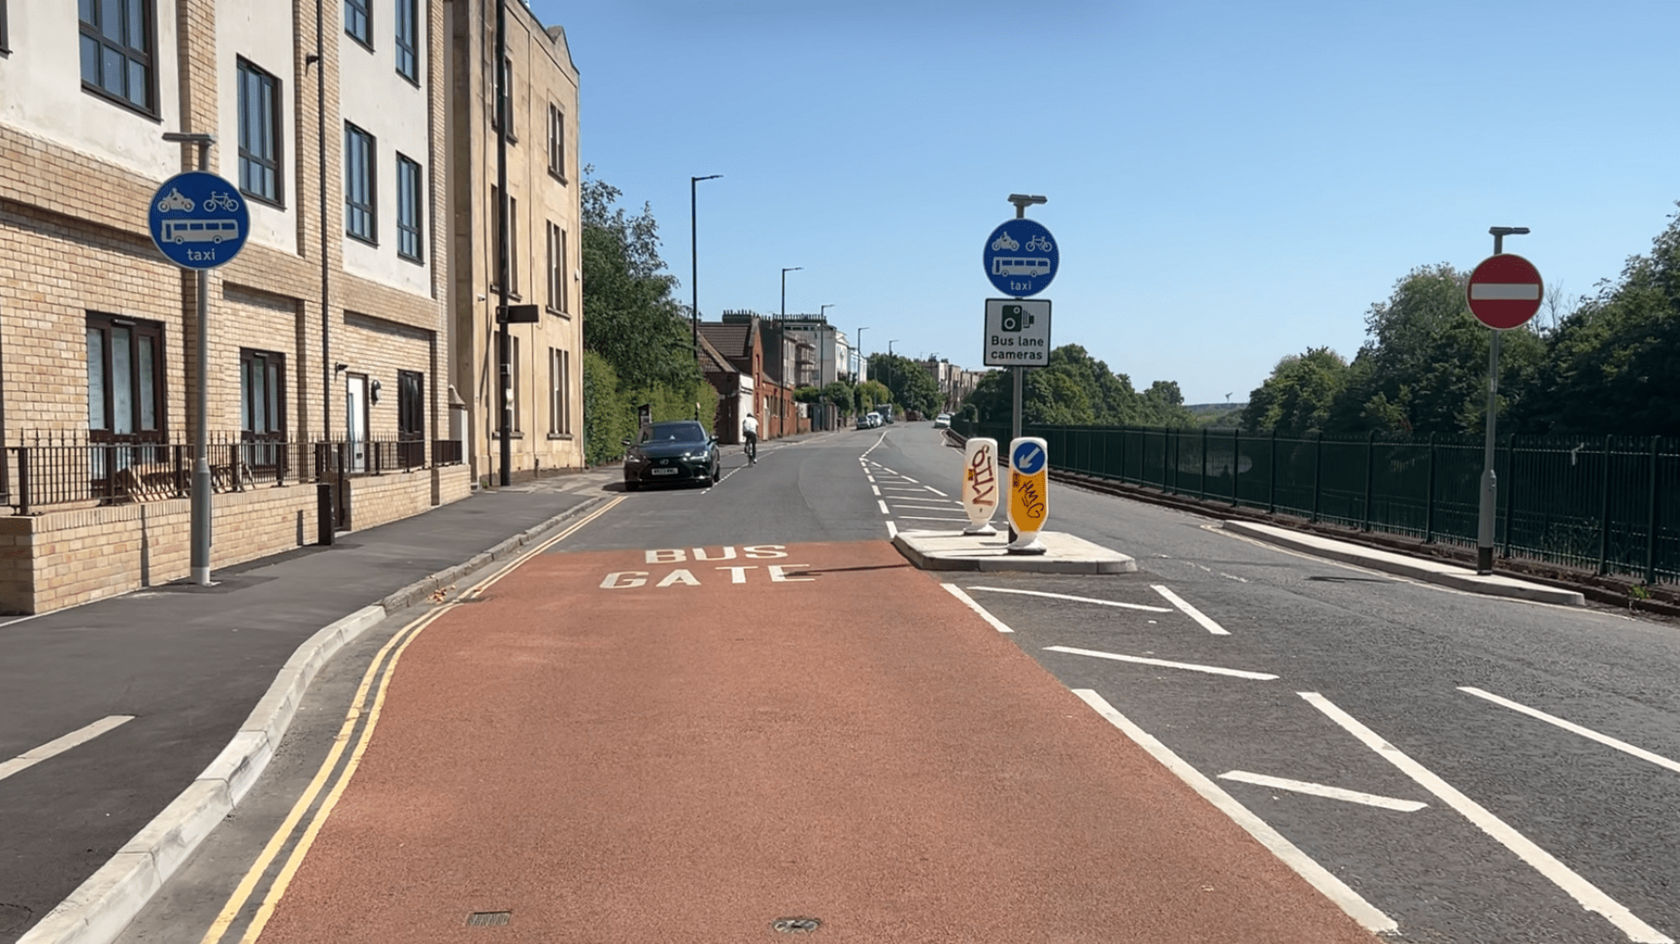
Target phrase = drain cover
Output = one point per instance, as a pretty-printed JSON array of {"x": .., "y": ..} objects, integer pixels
[
  {"x": 795, "y": 925},
  {"x": 482, "y": 919}
]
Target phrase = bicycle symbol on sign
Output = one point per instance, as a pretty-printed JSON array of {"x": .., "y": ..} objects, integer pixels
[
  {"x": 1004, "y": 242},
  {"x": 221, "y": 201},
  {"x": 1038, "y": 244}
]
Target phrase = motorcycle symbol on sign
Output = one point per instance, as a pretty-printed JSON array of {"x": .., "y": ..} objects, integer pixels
[
  {"x": 1004, "y": 242},
  {"x": 176, "y": 200}
]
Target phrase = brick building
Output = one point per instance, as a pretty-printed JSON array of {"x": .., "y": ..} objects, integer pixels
[
  {"x": 327, "y": 336},
  {"x": 763, "y": 355}
]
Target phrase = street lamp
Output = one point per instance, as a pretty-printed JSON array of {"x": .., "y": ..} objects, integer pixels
[
  {"x": 784, "y": 288},
  {"x": 694, "y": 257},
  {"x": 860, "y": 352},
  {"x": 1485, "y": 517}
]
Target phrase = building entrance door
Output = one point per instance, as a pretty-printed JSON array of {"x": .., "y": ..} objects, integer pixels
[{"x": 356, "y": 422}]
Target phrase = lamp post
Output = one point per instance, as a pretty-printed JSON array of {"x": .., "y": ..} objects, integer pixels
[
  {"x": 1490, "y": 482},
  {"x": 889, "y": 362},
  {"x": 784, "y": 290},
  {"x": 861, "y": 360},
  {"x": 694, "y": 257}
]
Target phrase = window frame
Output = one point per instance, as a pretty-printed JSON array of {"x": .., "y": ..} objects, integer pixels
[
  {"x": 556, "y": 302},
  {"x": 557, "y": 142},
  {"x": 513, "y": 243},
  {"x": 145, "y": 57},
  {"x": 506, "y": 92},
  {"x": 276, "y": 164},
  {"x": 273, "y": 365},
  {"x": 107, "y": 323},
  {"x": 370, "y": 165},
  {"x": 407, "y": 17},
  {"x": 560, "y": 393},
  {"x": 365, "y": 8},
  {"x": 410, "y": 205}
]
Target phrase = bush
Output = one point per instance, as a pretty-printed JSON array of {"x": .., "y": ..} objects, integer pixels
[{"x": 609, "y": 410}]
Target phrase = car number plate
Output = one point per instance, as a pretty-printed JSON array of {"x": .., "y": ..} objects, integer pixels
[{"x": 664, "y": 471}]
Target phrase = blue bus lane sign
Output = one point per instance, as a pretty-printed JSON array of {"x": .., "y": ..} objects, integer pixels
[
  {"x": 1021, "y": 258},
  {"x": 198, "y": 220}
]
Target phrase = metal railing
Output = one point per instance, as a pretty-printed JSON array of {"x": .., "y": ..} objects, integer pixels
[
  {"x": 55, "y": 470},
  {"x": 1608, "y": 504}
]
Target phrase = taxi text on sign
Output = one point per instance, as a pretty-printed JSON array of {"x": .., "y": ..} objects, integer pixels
[
  {"x": 1504, "y": 291},
  {"x": 980, "y": 487},
  {"x": 1029, "y": 485}
]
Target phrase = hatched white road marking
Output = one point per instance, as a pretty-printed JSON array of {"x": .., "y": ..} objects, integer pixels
[
  {"x": 929, "y": 518},
  {"x": 1586, "y": 893},
  {"x": 883, "y": 505},
  {"x": 59, "y": 745},
  {"x": 1319, "y": 789},
  {"x": 936, "y": 491},
  {"x": 1574, "y": 728},
  {"x": 1063, "y": 596},
  {"x": 876, "y": 490},
  {"x": 892, "y": 530},
  {"x": 1287, "y": 852},
  {"x": 997, "y": 624},
  {"x": 1141, "y": 660},
  {"x": 1190, "y": 611}
]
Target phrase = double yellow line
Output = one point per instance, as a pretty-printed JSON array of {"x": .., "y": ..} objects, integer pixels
[{"x": 383, "y": 667}]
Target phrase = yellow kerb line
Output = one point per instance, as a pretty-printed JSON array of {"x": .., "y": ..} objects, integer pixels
[{"x": 247, "y": 885}]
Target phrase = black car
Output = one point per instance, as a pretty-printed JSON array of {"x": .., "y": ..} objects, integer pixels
[{"x": 677, "y": 451}]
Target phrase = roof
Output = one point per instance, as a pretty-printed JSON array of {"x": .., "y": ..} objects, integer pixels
[
  {"x": 733, "y": 341},
  {"x": 712, "y": 360}
]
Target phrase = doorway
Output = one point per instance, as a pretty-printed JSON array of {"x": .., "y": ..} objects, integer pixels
[{"x": 356, "y": 422}]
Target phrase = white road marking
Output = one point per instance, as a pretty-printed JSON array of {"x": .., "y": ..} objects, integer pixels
[
  {"x": 876, "y": 490},
  {"x": 997, "y": 624},
  {"x": 934, "y": 490},
  {"x": 904, "y": 504},
  {"x": 1287, "y": 852},
  {"x": 1319, "y": 789},
  {"x": 1189, "y": 666},
  {"x": 892, "y": 530},
  {"x": 1233, "y": 577},
  {"x": 931, "y": 518},
  {"x": 1064, "y": 596},
  {"x": 908, "y": 479},
  {"x": 58, "y": 746},
  {"x": 1190, "y": 611},
  {"x": 883, "y": 505},
  {"x": 905, "y": 488},
  {"x": 1572, "y": 727},
  {"x": 1583, "y": 891}
]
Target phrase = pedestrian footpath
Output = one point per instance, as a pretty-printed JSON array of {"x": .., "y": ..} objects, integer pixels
[{"x": 111, "y": 710}]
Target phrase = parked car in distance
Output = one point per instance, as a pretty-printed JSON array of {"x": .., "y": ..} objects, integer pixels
[
  {"x": 872, "y": 419},
  {"x": 675, "y": 451},
  {"x": 942, "y": 421}
]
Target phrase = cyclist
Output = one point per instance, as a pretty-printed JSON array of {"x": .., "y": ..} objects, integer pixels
[{"x": 749, "y": 427}]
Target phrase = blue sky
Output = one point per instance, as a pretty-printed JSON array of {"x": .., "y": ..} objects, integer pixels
[{"x": 1228, "y": 182}]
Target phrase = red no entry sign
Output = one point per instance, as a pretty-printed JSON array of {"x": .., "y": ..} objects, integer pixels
[{"x": 1505, "y": 291}]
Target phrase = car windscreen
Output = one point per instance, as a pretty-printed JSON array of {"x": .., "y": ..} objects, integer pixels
[{"x": 674, "y": 432}]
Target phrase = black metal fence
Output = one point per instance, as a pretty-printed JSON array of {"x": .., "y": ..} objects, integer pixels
[
  {"x": 57, "y": 470},
  {"x": 1608, "y": 504}
]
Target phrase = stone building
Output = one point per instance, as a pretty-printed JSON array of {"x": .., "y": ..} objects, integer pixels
[
  {"x": 326, "y": 337},
  {"x": 544, "y": 181}
]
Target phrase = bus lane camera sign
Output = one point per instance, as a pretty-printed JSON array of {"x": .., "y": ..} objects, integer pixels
[
  {"x": 1017, "y": 332},
  {"x": 198, "y": 220}
]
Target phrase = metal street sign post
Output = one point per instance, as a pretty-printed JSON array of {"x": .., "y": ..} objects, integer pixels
[
  {"x": 1504, "y": 291},
  {"x": 1021, "y": 258},
  {"x": 199, "y": 221}
]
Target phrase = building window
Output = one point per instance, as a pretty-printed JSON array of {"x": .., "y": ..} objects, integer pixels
[
  {"x": 557, "y": 288},
  {"x": 559, "y": 392},
  {"x": 506, "y": 92},
  {"x": 117, "y": 51},
  {"x": 513, "y": 365},
  {"x": 259, "y": 134},
  {"x": 411, "y": 418},
  {"x": 557, "y": 142},
  {"x": 408, "y": 56},
  {"x": 262, "y": 408},
  {"x": 359, "y": 185},
  {"x": 358, "y": 21},
  {"x": 512, "y": 249},
  {"x": 408, "y": 209},
  {"x": 126, "y": 373}
]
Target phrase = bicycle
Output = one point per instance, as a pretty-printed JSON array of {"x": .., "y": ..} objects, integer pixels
[
  {"x": 752, "y": 450},
  {"x": 1037, "y": 243},
  {"x": 221, "y": 201}
]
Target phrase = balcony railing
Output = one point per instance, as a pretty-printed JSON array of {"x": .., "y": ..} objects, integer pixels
[{"x": 52, "y": 471}]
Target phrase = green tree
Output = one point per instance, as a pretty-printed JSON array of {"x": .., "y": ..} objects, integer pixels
[
  {"x": 1077, "y": 389},
  {"x": 1611, "y": 366},
  {"x": 871, "y": 394},
  {"x": 911, "y": 384},
  {"x": 1297, "y": 397},
  {"x": 842, "y": 396}
]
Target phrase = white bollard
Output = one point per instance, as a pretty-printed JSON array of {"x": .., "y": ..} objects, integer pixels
[{"x": 980, "y": 491}]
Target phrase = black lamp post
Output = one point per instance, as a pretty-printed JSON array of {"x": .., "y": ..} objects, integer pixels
[{"x": 694, "y": 257}]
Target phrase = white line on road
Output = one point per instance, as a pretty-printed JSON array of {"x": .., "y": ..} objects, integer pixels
[
  {"x": 931, "y": 518},
  {"x": 934, "y": 490},
  {"x": 1064, "y": 596},
  {"x": 1319, "y": 789},
  {"x": 904, "y": 504},
  {"x": 1190, "y": 611},
  {"x": 905, "y": 488},
  {"x": 876, "y": 490},
  {"x": 1287, "y": 852},
  {"x": 1570, "y": 726},
  {"x": 58, "y": 746},
  {"x": 1583, "y": 891},
  {"x": 1190, "y": 666},
  {"x": 908, "y": 479},
  {"x": 892, "y": 530},
  {"x": 883, "y": 505},
  {"x": 997, "y": 624}
]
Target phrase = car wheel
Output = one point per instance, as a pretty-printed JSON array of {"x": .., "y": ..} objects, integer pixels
[{"x": 717, "y": 472}]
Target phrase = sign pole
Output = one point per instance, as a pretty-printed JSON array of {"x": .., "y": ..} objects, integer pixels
[
  {"x": 1498, "y": 290},
  {"x": 201, "y": 434}
]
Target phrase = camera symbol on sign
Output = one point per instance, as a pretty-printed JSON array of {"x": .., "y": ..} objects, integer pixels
[{"x": 1016, "y": 318}]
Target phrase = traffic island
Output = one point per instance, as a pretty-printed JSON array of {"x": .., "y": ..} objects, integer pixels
[{"x": 1064, "y": 554}]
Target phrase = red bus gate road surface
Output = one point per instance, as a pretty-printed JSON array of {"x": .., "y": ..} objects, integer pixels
[{"x": 627, "y": 746}]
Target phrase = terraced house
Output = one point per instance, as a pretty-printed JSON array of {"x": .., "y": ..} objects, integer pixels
[{"x": 327, "y": 337}]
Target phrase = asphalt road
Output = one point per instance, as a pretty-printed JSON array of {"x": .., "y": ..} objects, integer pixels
[{"x": 1465, "y": 817}]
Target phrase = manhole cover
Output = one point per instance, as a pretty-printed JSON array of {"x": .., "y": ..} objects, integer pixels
[
  {"x": 795, "y": 925},
  {"x": 484, "y": 919}
]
